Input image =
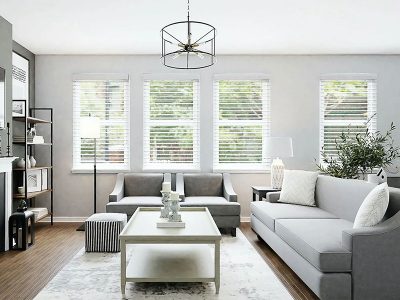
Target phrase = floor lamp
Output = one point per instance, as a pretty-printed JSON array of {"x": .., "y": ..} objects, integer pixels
[{"x": 90, "y": 129}]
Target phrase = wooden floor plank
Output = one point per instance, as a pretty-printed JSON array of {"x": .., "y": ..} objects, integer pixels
[{"x": 23, "y": 274}]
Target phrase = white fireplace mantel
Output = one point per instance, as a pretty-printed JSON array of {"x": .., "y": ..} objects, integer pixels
[{"x": 6, "y": 167}]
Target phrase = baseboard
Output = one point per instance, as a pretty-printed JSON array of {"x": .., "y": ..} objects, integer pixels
[
  {"x": 82, "y": 219},
  {"x": 66, "y": 219}
]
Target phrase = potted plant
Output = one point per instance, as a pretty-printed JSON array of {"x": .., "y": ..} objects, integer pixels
[{"x": 361, "y": 154}]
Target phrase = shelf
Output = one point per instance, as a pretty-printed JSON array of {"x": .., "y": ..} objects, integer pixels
[
  {"x": 42, "y": 144},
  {"x": 34, "y": 168},
  {"x": 31, "y": 195},
  {"x": 31, "y": 120}
]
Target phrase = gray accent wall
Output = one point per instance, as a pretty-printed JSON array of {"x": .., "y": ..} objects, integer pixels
[{"x": 294, "y": 111}]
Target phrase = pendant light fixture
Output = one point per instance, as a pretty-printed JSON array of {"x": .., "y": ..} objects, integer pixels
[{"x": 188, "y": 44}]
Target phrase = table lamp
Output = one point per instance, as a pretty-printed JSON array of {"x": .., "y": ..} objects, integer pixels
[{"x": 277, "y": 147}]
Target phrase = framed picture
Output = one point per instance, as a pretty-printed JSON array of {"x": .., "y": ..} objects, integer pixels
[
  {"x": 18, "y": 108},
  {"x": 44, "y": 179},
  {"x": 2, "y": 96},
  {"x": 20, "y": 78},
  {"x": 34, "y": 180}
]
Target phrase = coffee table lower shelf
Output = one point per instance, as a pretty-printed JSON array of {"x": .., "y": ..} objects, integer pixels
[{"x": 171, "y": 263}]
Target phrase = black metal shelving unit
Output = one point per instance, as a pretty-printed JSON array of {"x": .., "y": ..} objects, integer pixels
[{"x": 30, "y": 120}]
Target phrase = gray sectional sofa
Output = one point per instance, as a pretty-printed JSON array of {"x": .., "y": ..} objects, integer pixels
[
  {"x": 215, "y": 191},
  {"x": 321, "y": 246}
]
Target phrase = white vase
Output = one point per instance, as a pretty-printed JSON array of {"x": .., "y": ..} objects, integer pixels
[
  {"x": 21, "y": 163},
  {"x": 32, "y": 160},
  {"x": 28, "y": 162}
]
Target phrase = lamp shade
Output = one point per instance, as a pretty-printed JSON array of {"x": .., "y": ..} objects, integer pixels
[
  {"x": 90, "y": 127},
  {"x": 279, "y": 147}
]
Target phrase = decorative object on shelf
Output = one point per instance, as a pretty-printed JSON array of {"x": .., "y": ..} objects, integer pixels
[
  {"x": 21, "y": 230},
  {"x": 28, "y": 162},
  {"x": 174, "y": 215},
  {"x": 32, "y": 131},
  {"x": 278, "y": 147},
  {"x": 22, "y": 205},
  {"x": 351, "y": 161},
  {"x": 29, "y": 139},
  {"x": 21, "y": 190},
  {"x": 39, "y": 212},
  {"x": 32, "y": 161},
  {"x": 188, "y": 44},
  {"x": 166, "y": 191},
  {"x": 44, "y": 179},
  {"x": 18, "y": 108},
  {"x": 8, "y": 140},
  {"x": 20, "y": 163},
  {"x": 34, "y": 180},
  {"x": 378, "y": 178}
]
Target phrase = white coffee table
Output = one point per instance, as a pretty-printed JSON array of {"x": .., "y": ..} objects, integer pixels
[{"x": 171, "y": 254}]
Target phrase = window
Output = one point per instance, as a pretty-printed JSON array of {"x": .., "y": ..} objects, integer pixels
[
  {"x": 107, "y": 98},
  {"x": 171, "y": 125},
  {"x": 347, "y": 105},
  {"x": 241, "y": 123}
]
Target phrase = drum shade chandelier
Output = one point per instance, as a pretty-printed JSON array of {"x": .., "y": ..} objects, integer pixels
[{"x": 188, "y": 44}]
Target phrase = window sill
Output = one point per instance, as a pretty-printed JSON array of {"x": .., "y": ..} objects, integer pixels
[
  {"x": 242, "y": 171},
  {"x": 98, "y": 171}
]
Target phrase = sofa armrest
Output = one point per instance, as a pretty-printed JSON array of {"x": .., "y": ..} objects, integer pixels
[
  {"x": 118, "y": 192},
  {"x": 273, "y": 197},
  {"x": 180, "y": 185},
  {"x": 375, "y": 259},
  {"x": 229, "y": 193},
  {"x": 167, "y": 177}
]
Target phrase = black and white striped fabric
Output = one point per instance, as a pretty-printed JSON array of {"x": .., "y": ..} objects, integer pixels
[{"x": 102, "y": 232}]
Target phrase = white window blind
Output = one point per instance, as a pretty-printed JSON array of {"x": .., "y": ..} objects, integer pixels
[
  {"x": 346, "y": 106},
  {"x": 108, "y": 100},
  {"x": 241, "y": 123},
  {"x": 171, "y": 124}
]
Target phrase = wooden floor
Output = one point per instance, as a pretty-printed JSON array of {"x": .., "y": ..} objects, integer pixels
[{"x": 24, "y": 273}]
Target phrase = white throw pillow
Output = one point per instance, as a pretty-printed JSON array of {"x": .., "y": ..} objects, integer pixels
[
  {"x": 298, "y": 187},
  {"x": 373, "y": 208}
]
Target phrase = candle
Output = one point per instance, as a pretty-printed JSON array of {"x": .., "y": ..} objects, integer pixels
[
  {"x": 174, "y": 196},
  {"x": 166, "y": 187}
]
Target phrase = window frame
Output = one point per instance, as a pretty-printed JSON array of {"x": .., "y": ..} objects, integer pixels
[
  {"x": 372, "y": 104},
  {"x": 262, "y": 167},
  {"x": 101, "y": 167},
  {"x": 147, "y": 165}
]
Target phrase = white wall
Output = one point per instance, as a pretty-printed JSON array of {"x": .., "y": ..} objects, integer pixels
[{"x": 295, "y": 111}]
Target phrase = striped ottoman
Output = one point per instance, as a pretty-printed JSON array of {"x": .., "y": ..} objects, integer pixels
[{"x": 102, "y": 232}]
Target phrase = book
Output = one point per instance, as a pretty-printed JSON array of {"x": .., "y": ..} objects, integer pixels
[{"x": 164, "y": 223}]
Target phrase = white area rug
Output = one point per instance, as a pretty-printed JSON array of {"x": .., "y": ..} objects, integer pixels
[{"x": 244, "y": 275}]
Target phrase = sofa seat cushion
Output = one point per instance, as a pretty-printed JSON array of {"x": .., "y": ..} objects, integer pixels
[
  {"x": 128, "y": 205},
  {"x": 319, "y": 241},
  {"x": 218, "y": 206},
  {"x": 268, "y": 212}
]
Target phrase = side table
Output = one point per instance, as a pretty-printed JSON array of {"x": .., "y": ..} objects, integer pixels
[{"x": 262, "y": 191}]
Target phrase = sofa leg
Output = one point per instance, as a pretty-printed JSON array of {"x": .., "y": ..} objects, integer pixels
[{"x": 233, "y": 231}]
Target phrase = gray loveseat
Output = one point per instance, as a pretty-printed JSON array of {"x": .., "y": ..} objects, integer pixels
[
  {"x": 321, "y": 246},
  {"x": 215, "y": 191}
]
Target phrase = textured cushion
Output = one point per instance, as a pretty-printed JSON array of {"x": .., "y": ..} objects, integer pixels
[
  {"x": 143, "y": 184},
  {"x": 341, "y": 197},
  {"x": 128, "y": 205},
  {"x": 218, "y": 206},
  {"x": 268, "y": 212},
  {"x": 298, "y": 187},
  {"x": 373, "y": 208},
  {"x": 319, "y": 241},
  {"x": 208, "y": 184}
]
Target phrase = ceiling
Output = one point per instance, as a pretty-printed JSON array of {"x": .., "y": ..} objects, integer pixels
[{"x": 243, "y": 27}]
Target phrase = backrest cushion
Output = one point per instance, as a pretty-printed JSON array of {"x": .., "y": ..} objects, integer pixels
[
  {"x": 341, "y": 197},
  {"x": 205, "y": 184},
  {"x": 143, "y": 184}
]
